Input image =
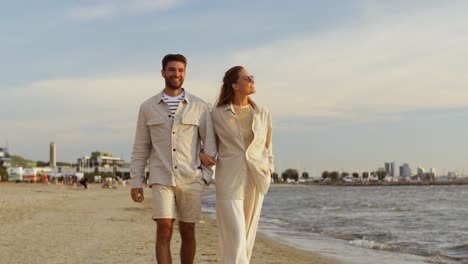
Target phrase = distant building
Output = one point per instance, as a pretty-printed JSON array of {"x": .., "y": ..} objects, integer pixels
[
  {"x": 390, "y": 168},
  {"x": 405, "y": 170},
  {"x": 442, "y": 179},
  {"x": 428, "y": 176},
  {"x": 99, "y": 160},
  {"x": 420, "y": 170},
  {"x": 452, "y": 174},
  {"x": 5, "y": 159}
]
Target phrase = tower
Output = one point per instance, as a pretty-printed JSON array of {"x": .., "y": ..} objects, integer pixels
[{"x": 52, "y": 155}]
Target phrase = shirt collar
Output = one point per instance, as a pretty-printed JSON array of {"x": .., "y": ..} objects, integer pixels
[
  {"x": 251, "y": 102},
  {"x": 159, "y": 96}
]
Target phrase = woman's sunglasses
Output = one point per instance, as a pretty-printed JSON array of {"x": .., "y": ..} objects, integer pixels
[{"x": 249, "y": 78}]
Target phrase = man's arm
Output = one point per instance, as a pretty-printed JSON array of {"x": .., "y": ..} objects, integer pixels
[
  {"x": 137, "y": 195},
  {"x": 207, "y": 160},
  {"x": 140, "y": 153},
  {"x": 207, "y": 136}
]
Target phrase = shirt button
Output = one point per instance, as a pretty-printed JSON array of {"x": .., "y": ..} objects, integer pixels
[
  {"x": 173, "y": 150},
  {"x": 173, "y": 132},
  {"x": 175, "y": 167},
  {"x": 169, "y": 115}
]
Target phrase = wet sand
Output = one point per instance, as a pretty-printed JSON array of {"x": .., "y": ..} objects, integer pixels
[{"x": 62, "y": 224}]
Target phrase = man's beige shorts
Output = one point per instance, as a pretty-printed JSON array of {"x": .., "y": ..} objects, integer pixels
[{"x": 182, "y": 202}]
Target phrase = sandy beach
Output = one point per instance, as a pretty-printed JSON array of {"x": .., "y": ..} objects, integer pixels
[{"x": 61, "y": 224}]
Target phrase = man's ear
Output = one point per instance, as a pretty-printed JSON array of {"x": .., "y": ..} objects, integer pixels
[{"x": 163, "y": 74}]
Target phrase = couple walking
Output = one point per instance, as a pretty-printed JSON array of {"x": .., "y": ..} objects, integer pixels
[{"x": 182, "y": 139}]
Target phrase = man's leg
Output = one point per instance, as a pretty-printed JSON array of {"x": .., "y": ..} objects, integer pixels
[
  {"x": 164, "y": 214},
  {"x": 188, "y": 198},
  {"x": 163, "y": 240},
  {"x": 187, "y": 250}
]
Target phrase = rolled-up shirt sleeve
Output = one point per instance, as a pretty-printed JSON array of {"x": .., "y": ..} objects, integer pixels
[{"x": 141, "y": 151}]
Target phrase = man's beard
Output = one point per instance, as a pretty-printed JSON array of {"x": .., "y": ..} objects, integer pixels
[{"x": 172, "y": 85}]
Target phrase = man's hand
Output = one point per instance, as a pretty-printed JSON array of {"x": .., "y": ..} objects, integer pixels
[
  {"x": 137, "y": 195},
  {"x": 207, "y": 160}
]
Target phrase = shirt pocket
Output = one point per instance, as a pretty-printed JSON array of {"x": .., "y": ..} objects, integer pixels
[
  {"x": 156, "y": 121},
  {"x": 188, "y": 131},
  {"x": 190, "y": 120},
  {"x": 157, "y": 128}
]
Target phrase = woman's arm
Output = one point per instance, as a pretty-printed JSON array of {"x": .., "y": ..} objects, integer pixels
[{"x": 268, "y": 143}]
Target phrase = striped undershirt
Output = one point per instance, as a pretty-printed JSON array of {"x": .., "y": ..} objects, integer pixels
[{"x": 173, "y": 101}]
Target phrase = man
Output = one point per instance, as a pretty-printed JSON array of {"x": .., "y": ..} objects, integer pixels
[
  {"x": 84, "y": 182},
  {"x": 173, "y": 126}
]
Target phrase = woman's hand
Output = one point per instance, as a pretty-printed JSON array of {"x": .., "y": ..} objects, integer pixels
[{"x": 207, "y": 160}]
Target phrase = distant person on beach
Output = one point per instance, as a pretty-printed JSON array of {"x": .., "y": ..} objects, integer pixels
[
  {"x": 172, "y": 127},
  {"x": 45, "y": 178},
  {"x": 84, "y": 182},
  {"x": 244, "y": 165}
]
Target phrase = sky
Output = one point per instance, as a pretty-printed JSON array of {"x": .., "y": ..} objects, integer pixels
[{"x": 350, "y": 84}]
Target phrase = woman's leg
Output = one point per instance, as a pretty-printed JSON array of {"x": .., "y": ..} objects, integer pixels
[
  {"x": 232, "y": 231},
  {"x": 252, "y": 210}
]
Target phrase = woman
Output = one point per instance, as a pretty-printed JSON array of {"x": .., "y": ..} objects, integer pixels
[{"x": 244, "y": 165}]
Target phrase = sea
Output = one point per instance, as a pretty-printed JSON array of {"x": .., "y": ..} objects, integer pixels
[{"x": 369, "y": 224}]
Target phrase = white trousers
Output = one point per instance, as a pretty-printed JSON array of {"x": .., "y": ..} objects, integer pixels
[{"x": 237, "y": 225}]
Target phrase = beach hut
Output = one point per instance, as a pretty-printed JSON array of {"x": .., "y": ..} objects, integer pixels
[
  {"x": 15, "y": 174},
  {"x": 30, "y": 175}
]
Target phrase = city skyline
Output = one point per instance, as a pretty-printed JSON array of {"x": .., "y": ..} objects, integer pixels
[
  {"x": 349, "y": 84},
  {"x": 405, "y": 170}
]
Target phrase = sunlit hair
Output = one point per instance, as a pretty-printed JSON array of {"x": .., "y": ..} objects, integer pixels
[
  {"x": 227, "y": 92},
  {"x": 173, "y": 57}
]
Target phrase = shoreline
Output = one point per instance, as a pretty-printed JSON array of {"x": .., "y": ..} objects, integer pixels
[
  {"x": 265, "y": 247},
  {"x": 63, "y": 224},
  {"x": 369, "y": 184}
]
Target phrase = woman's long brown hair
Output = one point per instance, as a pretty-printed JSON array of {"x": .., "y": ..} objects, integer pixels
[{"x": 227, "y": 92}]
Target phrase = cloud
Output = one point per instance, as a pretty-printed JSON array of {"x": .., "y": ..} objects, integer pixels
[
  {"x": 382, "y": 64},
  {"x": 94, "y": 111},
  {"x": 365, "y": 71},
  {"x": 110, "y": 8}
]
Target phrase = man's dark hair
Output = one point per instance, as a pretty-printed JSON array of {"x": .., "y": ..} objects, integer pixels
[{"x": 173, "y": 57}]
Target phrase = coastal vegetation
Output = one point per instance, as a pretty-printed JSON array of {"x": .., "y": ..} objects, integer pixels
[
  {"x": 3, "y": 173},
  {"x": 289, "y": 175},
  {"x": 335, "y": 176},
  {"x": 374, "y": 178},
  {"x": 18, "y": 161}
]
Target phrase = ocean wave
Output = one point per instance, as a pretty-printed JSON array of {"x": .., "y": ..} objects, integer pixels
[
  {"x": 441, "y": 259},
  {"x": 463, "y": 247},
  {"x": 459, "y": 252},
  {"x": 325, "y": 208},
  {"x": 452, "y": 255},
  {"x": 398, "y": 209},
  {"x": 275, "y": 221},
  {"x": 343, "y": 236},
  {"x": 372, "y": 245}
]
